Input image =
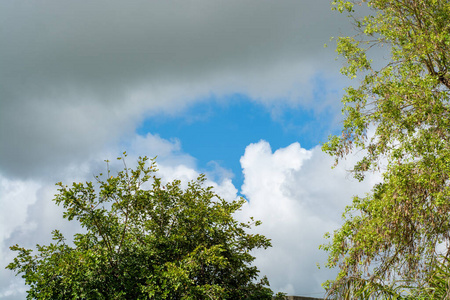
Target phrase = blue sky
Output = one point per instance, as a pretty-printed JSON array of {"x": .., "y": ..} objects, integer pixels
[
  {"x": 218, "y": 129},
  {"x": 243, "y": 91}
]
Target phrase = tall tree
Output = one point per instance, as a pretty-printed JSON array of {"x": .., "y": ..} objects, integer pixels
[
  {"x": 146, "y": 240},
  {"x": 398, "y": 114}
]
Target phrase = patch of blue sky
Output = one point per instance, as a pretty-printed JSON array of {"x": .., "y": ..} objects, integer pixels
[{"x": 217, "y": 130}]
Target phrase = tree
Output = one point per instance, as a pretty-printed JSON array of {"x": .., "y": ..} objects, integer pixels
[
  {"x": 159, "y": 242},
  {"x": 398, "y": 115}
]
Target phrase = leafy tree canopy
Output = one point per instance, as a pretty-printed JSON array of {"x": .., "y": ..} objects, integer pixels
[
  {"x": 390, "y": 237},
  {"x": 157, "y": 243}
]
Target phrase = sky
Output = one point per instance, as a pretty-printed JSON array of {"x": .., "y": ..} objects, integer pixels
[{"x": 243, "y": 91}]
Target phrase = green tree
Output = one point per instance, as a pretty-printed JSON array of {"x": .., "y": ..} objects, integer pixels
[
  {"x": 398, "y": 115},
  {"x": 159, "y": 242}
]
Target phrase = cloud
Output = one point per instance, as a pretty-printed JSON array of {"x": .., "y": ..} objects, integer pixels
[
  {"x": 13, "y": 217},
  {"x": 76, "y": 76},
  {"x": 298, "y": 197},
  {"x": 12, "y": 213}
]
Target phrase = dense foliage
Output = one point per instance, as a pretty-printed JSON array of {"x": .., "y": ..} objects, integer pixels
[
  {"x": 398, "y": 115},
  {"x": 159, "y": 242}
]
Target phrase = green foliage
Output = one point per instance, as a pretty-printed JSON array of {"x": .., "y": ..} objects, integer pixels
[
  {"x": 162, "y": 242},
  {"x": 387, "y": 245}
]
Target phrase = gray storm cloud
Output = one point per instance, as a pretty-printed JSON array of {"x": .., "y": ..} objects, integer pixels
[{"x": 76, "y": 75}]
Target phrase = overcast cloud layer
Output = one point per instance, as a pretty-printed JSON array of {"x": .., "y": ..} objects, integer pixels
[
  {"x": 77, "y": 78},
  {"x": 76, "y": 75}
]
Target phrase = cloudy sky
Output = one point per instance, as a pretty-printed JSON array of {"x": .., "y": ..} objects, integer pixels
[{"x": 243, "y": 91}]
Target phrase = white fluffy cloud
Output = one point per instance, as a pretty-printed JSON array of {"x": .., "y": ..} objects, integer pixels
[
  {"x": 12, "y": 213},
  {"x": 298, "y": 197},
  {"x": 13, "y": 218}
]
